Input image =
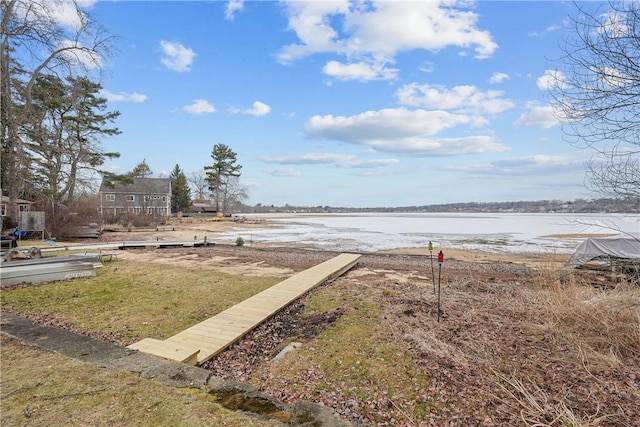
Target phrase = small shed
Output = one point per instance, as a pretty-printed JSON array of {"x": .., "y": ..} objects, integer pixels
[{"x": 21, "y": 206}]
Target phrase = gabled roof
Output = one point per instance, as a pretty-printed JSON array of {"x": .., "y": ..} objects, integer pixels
[
  {"x": 5, "y": 199},
  {"x": 140, "y": 186}
]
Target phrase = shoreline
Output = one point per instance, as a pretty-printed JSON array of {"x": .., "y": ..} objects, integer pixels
[
  {"x": 225, "y": 231},
  {"x": 531, "y": 259}
]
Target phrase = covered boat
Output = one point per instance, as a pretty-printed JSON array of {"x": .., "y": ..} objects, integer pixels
[{"x": 607, "y": 251}]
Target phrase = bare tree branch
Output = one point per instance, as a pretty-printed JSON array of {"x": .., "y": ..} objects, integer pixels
[{"x": 597, "y": 94}]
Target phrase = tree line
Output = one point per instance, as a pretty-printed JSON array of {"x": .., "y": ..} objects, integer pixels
[{"x": 53, "y": 119}]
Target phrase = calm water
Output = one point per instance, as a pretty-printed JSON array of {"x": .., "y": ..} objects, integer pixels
[{"x": 488, "y": 232}]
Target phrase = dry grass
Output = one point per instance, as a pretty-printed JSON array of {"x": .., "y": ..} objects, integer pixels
[
  {"x": 128, "y": 301},
  {"x": 538, "y": 408},
  {"x": 601, "y": 325},
  {"x": 526, "y": 352},
  {"x": 592, "y": 330},
  {"x": 39, "y": 388}
]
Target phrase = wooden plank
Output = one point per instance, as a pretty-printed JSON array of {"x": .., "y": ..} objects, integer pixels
[
  {"x": 215, "y": 334},
  {"x": 171, "y": 351},
  {"x": 218, "y": 330},
  {"x": 197, "y": 340}
]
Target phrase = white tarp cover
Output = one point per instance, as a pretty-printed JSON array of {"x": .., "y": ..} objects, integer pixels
[{"x": 627, "y": 248}]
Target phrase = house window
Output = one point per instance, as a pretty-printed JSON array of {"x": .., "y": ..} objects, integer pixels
[
  {"x": 164, "y": 198},
  {"x": 3, "y": 209},
  {"x": 130, "y": 197},
  {"x": 146, "y": 197},
  {"x": 23, "y": 208},
  {"x": 110, "y": 197},
  {"x": 156, "y": 197}
]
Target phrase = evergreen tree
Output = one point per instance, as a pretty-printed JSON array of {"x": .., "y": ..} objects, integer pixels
[
  {"x": 180, "y": 192},
  {"x": 35, "y": 42},
  {"x": 66, "y": 123},
  {"x": 219, "y": 174},
  {"x": 141, "y": 170}
]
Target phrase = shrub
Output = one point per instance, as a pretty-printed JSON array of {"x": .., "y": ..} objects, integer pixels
[{"x": 239, "y": 241}]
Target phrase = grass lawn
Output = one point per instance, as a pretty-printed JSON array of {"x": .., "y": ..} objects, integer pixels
[{"x": 129, "y": 301}]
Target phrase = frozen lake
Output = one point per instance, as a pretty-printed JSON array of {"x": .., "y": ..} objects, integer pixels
[{"x": 559, "y": 233}]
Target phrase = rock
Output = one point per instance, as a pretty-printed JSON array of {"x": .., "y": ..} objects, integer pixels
[{"x": 287, "y": 349}]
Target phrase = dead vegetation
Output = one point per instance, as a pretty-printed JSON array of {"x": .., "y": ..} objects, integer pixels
[{"x": 515, "y": 345}]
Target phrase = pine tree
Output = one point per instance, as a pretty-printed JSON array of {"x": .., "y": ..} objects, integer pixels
[
  {"x": 64, "y": 130},
  {"x": 219, "y": 174},
  {"x": 180, "y": 192}
]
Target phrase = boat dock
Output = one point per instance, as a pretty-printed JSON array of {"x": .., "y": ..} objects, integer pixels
[{"x": 203, "y": 341}]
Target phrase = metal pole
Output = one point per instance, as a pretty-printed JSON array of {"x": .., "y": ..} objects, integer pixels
[
  {"x": 440, "y": 261},
  {"x": 439, "y": 272},
  {"x": 433, "y": 278}
]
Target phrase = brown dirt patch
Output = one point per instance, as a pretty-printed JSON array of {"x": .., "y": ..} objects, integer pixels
[{"x": 208, "y": 260}]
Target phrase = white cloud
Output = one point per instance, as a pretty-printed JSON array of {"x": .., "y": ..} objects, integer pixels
[
  {"x": 551, "y": 28},
  {"x": 551, "y": 79},
  {"x": 439, "y": 147},
  {"x": 372, "y": 163},
  {"x": 614, "y": 24},
  {"x": 71, "y": 31},
  {"x": 386, "y": 123},
  {"x": 613, "y": 78},
  {"x": 176, "y": 56},
  {"x": 374, "y": 32},
  {"x": 258, "y": 109},
  {"x": 233, "y": 6},
  {"x": 339, "y": 160},
  {"x": 459, "y": 98},
  {"x": 311, "y": 22},
  {"x": 427, "y": 67},
  {"x": 282, "y": 172},
  {"x": 199, "y": 106},
  {"x": 308, "y": 159},
  {"x": 533, "y": 165},
  {"x": 535, "y": 160},
  {"x": 64, "y": 13},
  {"x": 498, "y": 78},
  {"x": 77, "y": 55},
  {"x": 403, "y": 132},
  {"x": 359, "y": 71},
  {"x": 123, "y": 97},
  {"x": 537, "y": 116}
]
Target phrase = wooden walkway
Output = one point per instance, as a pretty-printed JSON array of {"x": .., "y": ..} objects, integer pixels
[{"x": 204, "y": 340}]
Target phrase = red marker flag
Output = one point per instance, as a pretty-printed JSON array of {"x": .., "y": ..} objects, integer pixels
[{"x": 440, "y": 257}]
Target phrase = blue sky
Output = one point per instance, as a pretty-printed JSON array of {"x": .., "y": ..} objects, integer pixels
[{"x": 345, "y": 103}]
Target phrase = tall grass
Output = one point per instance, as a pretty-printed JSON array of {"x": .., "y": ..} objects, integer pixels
[
  {"x": 598, "y": 326},
  {"x": 538, "y": 408},
  {"x": 602, "y": 325}
]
